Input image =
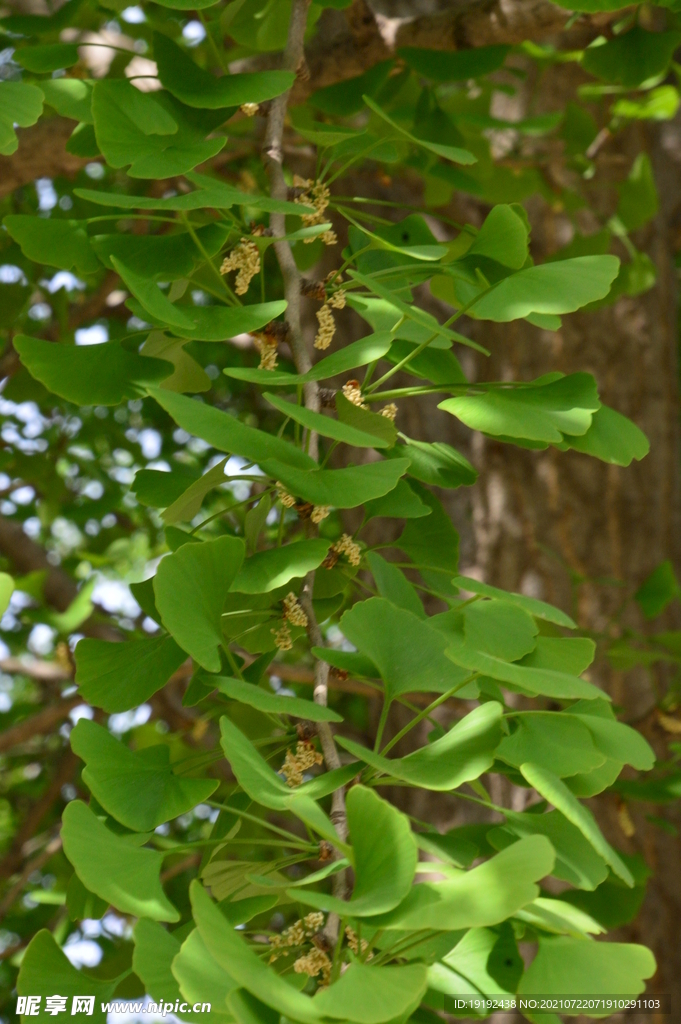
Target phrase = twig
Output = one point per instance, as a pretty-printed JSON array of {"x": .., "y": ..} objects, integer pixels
[
  {"x": 13, "y": 894},
  {"x": 39, "y": 724},
  {"x": 65, "y": 770},
  {"x": 273, "y": 157}
]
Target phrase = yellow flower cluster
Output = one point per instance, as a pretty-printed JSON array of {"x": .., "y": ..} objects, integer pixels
[
  {"x": 293, "y": 611},
  {"x": 268, "y": 352},
  {"x": 245, "y": 258},
  {"x": 348, "y": 547},
  {"x": 249, "y": 109},
  {"x": 353, "y": 393},
  {"x": 316, "y": 194},
  {"x": 337, "y": 300},
  {"x": 389, "y": 411},
  {"x": 282, "y": 637},
  {"x": 319, "y": 512},
  {"x": 327, "y": 327},
  {"x": 297, "y": 933},
  {"x": 354, "y": 942},
  {"x": 287, "y": 500},
  {"x": 313, "y": 963},
  {"x": 296, "y": 764}
]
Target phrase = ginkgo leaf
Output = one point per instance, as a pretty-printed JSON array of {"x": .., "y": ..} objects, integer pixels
[
  {"x": 198, "y": 88},
  {"x": 341, "y": 488},
  {"x": 271, "y": 703},
  {"x": 384, "y": 857},
  {"x": 228, "y": 434},
  {"x": 117, "y": 677},
  {"x": 462, "y": 754},
  {"x": 102, "y": 374},
  {"x": 556, "y": 792},
  {"x": 113, "y": 867},
  {"x": 191, "y": 587},
  {"x": 483, "y": 896},
  {"x": 139, "y": 788},
  {"x": 267, "y": 570}
]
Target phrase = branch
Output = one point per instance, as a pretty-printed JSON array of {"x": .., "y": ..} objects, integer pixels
[
  {"x": 33, "y": 865},
  {"x": 39, "y": 724},
  {"x": 273, "y": 157},
  {"x": 59, "y": 589}
]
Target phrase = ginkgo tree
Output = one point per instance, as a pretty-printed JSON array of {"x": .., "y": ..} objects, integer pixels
[{"x": 311, "y": 894}]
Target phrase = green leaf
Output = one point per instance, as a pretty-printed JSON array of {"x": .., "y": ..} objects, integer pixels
[
  {"x": 59, "y": 243},
  {"x": 91, "y": 374},
  {"x": 560, "y": 287},
  {"x": 631, "y": 58},
  {"x": 369, "y": 994},
  {"x": 393, "y": 584},
  {"x": 614, "y": 739},
  {"x": 384, "y": 858},
  {"x": 112, "y": 867},
  {"x": 556, "y": 792},
  {"x": 407, "y": 651},
  {"x": 151, "y": 298},
  {"x": 444, "y": 66},
  {"x": 565, "y": 964},
  {"x": 227, "y": 433},
  {"x": 499, "y": 628},
  {"x": 437, "y": 365},
  {"x": 576, "y": 860},
  {"x": 45, "y": 969},
  {"x": 400, "y": 503},
  {"x": 341, "y": 488},
  {"x": 436, "y": 463},
  {"x": 659, "y": 104},
  {"x": 611, "y": 438},
  {"x": 263, "y": 785},
  {"x": 161, "y": 257},
  {"x": 658, "y": 590},
  {"x": 270, "y": 703},
  {"x": 559, "y": 742},
  {"x": 191, "y": 587},
  {"x": 359, "y": 353},
  {"x": 200, "y": 977},
  {"x": 70, "y": 97},
  {"x": 475, "y": 964},
  {"x": 561, "y": 654},
  {"x": 346, "y": 97},
  {"x": 154, "y": 951},
  {"x": 462, "y": 754},
  {"x": 503, "y": 237},
  {"x": 326, "y": 426},
  {"x": 267, "y": 570},
  {"x": 199, "y": 88},
  {"x": 148, "y": 131},
  {"x": 484, "y": 896},
  {"x": 613, "y": 904},
  {"x": 453, "y": 153},
  {"x": 539, "y": 609},
  {"x": 20, "y": 104},
  {"x": 379, "y": 427},
  {"x": 6, "y": 591},
  {"x": 531, "y": 681},
  {"x": 638, "y": 202},
  {"x": 120, "y": 676},
  {"x": 83, "y": 904},
  {"x": 48, "y": 57},
  {"x": 433, "y": 544},
  {"x": 188, "y": 504},
  {"x": 249, "y": 971},
  {"x": 536, "y": 412},
  {"x": 138, "y": 788},
  {"x": 210, "y": 193}
]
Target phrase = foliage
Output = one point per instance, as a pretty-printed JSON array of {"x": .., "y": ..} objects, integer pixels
[{"x": 229, "y": 525}]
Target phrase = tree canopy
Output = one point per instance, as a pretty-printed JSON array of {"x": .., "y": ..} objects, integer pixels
[{"x": 192, "y": 470}]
